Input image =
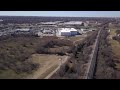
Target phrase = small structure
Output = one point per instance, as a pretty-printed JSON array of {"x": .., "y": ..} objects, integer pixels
[
  {"x": 109, "y": 30},
  {"x": 47, "y": 31},
  {"x": 84, "y": 30},
  {"x": 92, "y": 29},
  {"x": 38, "y": 33}
]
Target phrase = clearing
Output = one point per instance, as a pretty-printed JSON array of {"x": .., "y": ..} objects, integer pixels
[
  {"x": 76, "y": 39},
  {"x": 48, "y": 63}
]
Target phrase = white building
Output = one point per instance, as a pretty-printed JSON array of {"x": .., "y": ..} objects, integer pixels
[
  {"x": 67, "y": 32},
  {"x": 73, "y": 23},
  {"x": 1, "y": 20},
  {"x": 38, "y": 33},
  {"x": 23, "y": 29},
  {"x": 47, "y": 31}
]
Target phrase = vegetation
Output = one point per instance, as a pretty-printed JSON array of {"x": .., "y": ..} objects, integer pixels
[
  {"x": 15, "y": 51},
  {"x": 105, "y": 60},
  {"x": 56, "y": 46},
  {"x": 33, "y": 19},
  {"x": 74, "y": 67}
]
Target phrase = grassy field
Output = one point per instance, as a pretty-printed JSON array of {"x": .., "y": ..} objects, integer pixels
[
  {"x": 76, "y": 39},
  {"x": 115, "y": 47},
  {"x": 115, "y": 44}
]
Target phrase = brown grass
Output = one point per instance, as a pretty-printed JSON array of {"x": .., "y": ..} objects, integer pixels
[
  {"x": 115, "y": 47},
  {"x": 48, "y": 72},
  {"x": 48, "y": 63}
]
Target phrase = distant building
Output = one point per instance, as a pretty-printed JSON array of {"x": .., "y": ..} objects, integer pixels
[
  {"x": 23, "y": 29},
  {"x": 49, "y": 23},
  {"x": 92, "y": 29},
  {"x": 84, "y": 30},
  {"x": 47, "y": 31},
  {"x": 1, "y": 20},
  {"x": 73, "y": 23},
  {"x": 67, "y": 32},
  {"x": 38, "y": 33}
]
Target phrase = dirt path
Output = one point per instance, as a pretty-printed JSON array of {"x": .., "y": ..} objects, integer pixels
[
  {"x": 48, "y": 64},
  {"x": 60, "y": 63}
]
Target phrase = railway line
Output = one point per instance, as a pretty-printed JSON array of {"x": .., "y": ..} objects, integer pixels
[
  {"x": 91, "y": 65},
  {"x": 89, "y": 73}
]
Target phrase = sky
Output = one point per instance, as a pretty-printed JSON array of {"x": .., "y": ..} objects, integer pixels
[{"x": 62, "y": 13}]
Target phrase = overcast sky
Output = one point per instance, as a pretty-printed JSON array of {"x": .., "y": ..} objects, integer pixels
[{"x": 62, "y": 13}]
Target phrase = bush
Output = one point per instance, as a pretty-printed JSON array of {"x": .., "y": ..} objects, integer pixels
[
  {"x": 26, "y": 67},
  {"x": 2, "y": 66},
  {"x": 116, "y": 38}
]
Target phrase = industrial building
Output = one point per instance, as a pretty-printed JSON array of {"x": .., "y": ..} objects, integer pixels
[
  {"x": 67, "y": 32},
  {"x": 73, "y": 23},
  {"x": 23, "y": 29}
]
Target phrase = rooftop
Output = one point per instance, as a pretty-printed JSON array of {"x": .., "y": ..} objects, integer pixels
[
  {"x": 73, "y": 22},
  {"x": 23, "y": 29},
  {"x": 67, "y": 29}
]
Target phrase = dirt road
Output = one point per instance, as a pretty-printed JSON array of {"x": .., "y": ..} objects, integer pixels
[
  {"x": 49, "y": 65},
  {"x": 60, "y": 63}
]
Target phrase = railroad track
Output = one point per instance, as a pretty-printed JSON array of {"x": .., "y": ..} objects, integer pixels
[{"x": 91, "y": 64}]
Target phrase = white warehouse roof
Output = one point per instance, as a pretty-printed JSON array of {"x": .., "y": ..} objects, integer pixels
[
  {"x": 67, "y": 29},
  {"x": 74, "y": 22},
  {"x": 23, "y": 29},
  {"x": 48, "y": 22}
]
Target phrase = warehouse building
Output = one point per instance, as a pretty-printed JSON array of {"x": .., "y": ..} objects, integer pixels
[
  {"x": 23, "y": 29},
  {"x": 73, "y": 23},
  {"x": 67, "y": 32}
]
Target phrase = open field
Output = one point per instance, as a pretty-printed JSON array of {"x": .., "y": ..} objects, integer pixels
[
  {"x": 48, "y": 63},
  {"x": 115, "y": 45},
  {"x": 76, "y": 39}
]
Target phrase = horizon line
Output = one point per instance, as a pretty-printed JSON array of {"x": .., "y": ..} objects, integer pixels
[{"x": 61, "y": 16}]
